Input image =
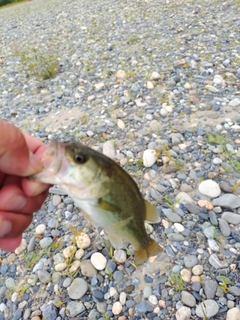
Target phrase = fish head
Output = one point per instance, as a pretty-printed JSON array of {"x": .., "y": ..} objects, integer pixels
[{"x": 76, "y": 168}]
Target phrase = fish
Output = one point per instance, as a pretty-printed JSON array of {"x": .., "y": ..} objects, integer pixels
[{"x": 107, "y": 195}]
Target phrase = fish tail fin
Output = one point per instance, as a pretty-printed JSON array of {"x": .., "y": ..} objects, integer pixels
[{"x": 152, "y": 249}]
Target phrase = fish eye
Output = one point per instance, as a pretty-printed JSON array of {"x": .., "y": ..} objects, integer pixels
[{"x": 79, "y": 158}]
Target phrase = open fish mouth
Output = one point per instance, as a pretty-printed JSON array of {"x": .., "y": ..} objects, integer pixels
[{"x": 52, "y": 161}]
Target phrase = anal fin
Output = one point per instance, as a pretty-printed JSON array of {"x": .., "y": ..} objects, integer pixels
[{"x": 152, "y": 214}]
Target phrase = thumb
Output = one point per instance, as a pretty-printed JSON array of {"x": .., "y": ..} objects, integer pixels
[{"x": 15, "y": 157}]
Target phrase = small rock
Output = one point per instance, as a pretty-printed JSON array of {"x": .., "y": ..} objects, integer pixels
[
  {"x": 183, "y": 313},
  {"x": 233, "y": 314},
  {"x": 109, "y": 149},
  {"x": 75, "y": 266},
  {"x": 149, "y": 157},
  {"x": 98, "y": 260},
  {"x": 197, "y": 270},
  {"x": 190, "y": 261},
  {"x": 60, "y": 266},
  {"x": 207, "y": 308},
  {"x": 22, "y": 247},
  {"x": 121, "y": 74},
  {"x": 69, "y": 252},
  {"x": 120, "y": 124},
  {"x": 227, "y": 200},
  {"x": 210, "y": 288},
  {"x": 234, "y": 103},
  {"x": 50, "y": 312},
  {"x": 231, "y": 217},
  {"x": 215, "y": 262},
  {"x": 155, "y": 76},
  {"x": 78, "y": 288},
  {"x": 40, "y": 228},
  {"x": 45, "y": 242},
  {"x": 44, "y": 276},
  {"x": 120, "y": 256},
  {"x": 204, "y": 203},
  {"x": 116, "y": 308},
  {"x": 87, "y": 269},
  {"x": 209, "y": 188},
  {"x": 188, "y": 299},
  {"x": 186, "y": 275},
  {"x": 74, "y": 308},
  {"x": 56, "y": 200},
  {"x": 83, "y": 241}
]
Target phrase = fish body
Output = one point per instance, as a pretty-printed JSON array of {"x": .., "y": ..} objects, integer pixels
[{"x": 105, "y": 192}]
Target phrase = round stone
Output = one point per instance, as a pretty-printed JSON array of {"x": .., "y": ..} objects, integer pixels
[
  {"x": 179, "y": 227},
  {"x": 77, "y": 289},
  {"x": 190, "y": 261},
  {"x": 56, "y": 200},
  {"x": 149, "y": 157},
  {"x": 116, "y": 308},
  {"x": 209, "y": 188},
  {"x": 197, "y": 270},
  {"x": 83, "y": 241},
  {"x": 98, "y": 261},
  {"x": 120, "y": 256},
  {"x": 183, "y": 313},
  {"x": 40, "y": 228},
  {"x": 207, "y": 308},
  {"x": 186, "y": 275},
  {"x": 188, "y": 299},
  {"x": 69, "y": 252}
]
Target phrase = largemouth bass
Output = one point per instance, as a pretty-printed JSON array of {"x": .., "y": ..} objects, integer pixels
[{"x": 107, "y": 195}]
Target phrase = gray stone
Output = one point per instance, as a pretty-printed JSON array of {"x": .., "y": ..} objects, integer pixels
[
  {"x": 190, "y": 261},
  {"x": 56, "y": 200},
  {"x": 207, "y": 308},
  {"x": 43, "y": 276},
  {"x": 234, "y": 103},
  {"x": 183, "y": 313},
  {"x": 209, "y": 232},
  {"x": 87, "y": 269},
  {"x": 231, "y": 217},
  {"x": 147, "y": 292},
  {"x": 78, "y": 288},
  {"x": 74, "y": 308},
  {"x": 227, "y": 200},
  {"x": 143, "y": 307},
  {"x": 31, "y": 244},
  {"x": 171, "y": 216},
  {"x": 234, "y": 290},
  {"x": 45, "y": 242},
  {"x": 210, "y": 288},
  {"x": 213, "y": 218},
  {"x": 224, "y": 227},
  {"x": 188, "y": 299},
  {"x": 215, "y": 262},
  {"x": 94, "y": 315},
  {"x": 52, "y": 223}
]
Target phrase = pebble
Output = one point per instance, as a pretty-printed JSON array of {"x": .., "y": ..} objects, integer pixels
[
  {"x": 190, "y": 261},
  {"x": 188, "y": 299},
  {"x": 210, "y": 288},
  {"x": 209, "y": 188},
  {"x": 77, "y": 289},
  {"x": 98, "y": 260},
  {"x": 207, "y": 308},
  {"x": 183, "y": 313},
  {"x": 56, "y": 200},
  {"x": 120, "y": 256},
  {"x": 197, "y": 270},
  {"x": 40, "y": 229},
  {"x": 233, "y": 314},
  {"x": 149, "y": 158},
  {"x": 83, "y": 241},
  {"x": 227, "y": 201},
  {"x": 74, "y": 308},
  {"x": 117, "y": 308},
  {"x": 231, "y": 217},
  {"x": 186, "y": 275},
  {"x": 87, "y": 269},
  {"x": 224, "y": 227}
]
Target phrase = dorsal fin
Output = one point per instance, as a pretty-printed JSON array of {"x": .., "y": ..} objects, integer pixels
[{"x": 152, "y": 215}]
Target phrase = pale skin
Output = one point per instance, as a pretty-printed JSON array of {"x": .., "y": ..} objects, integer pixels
[{"x": 19, "y": 196}]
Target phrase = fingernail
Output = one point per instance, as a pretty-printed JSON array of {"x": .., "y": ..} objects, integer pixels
[
  {"x": 5, "y": 227},
  {"x": 34, "y": 161},
  {"x": 17, "y": 202}
]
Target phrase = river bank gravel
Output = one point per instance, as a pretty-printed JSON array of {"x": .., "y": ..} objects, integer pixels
[{"x": 155, "y": 85}]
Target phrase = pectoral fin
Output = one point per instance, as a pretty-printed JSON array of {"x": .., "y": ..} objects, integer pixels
[
  {"x": 152, "y": 214},
  {"x": 104, "y": 205}
]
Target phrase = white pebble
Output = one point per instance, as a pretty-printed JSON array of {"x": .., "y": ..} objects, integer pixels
[
  {"x": 40, "y": 229},
  {"x": 83, "y": 241},
  {"x": 179, "y": 227},
  {"x": 98, "y": 261},
  {"x": 149, "y": 157},
  {"x": 120, "y": 256}
]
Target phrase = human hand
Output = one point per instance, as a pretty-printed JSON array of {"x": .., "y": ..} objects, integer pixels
[{"x": 19, "y": 196}]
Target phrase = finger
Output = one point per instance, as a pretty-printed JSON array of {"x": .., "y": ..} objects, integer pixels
[
  {"x": 33, "y": 188},
  {"x": 10, "y": 244},
  {"x": 35, "y": 145},
  {"x": 13, "y": 199},
  {"x": 12, "y": 225},
  {"x": 15, "y": 157}
]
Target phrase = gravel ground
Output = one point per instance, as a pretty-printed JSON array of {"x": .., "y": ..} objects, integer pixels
[{"x": 131, "y": 76}]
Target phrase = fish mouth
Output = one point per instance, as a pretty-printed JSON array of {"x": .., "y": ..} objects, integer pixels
[{"x": 52, "y": 160}]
